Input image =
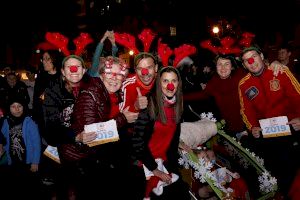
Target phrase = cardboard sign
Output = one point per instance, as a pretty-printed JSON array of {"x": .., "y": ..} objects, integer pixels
[
  {"x": 275, "y": 127},
  {"x": 51, "y": 152},
  {"x": 106, "y": 132}
]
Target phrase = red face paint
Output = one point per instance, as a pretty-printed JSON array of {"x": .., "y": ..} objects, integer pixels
[
  {"x": 250, "y": 61},
  {"x": 73, "y": 68},
  {"x": 170, "y": 86},
  {"x": 145, "y": 71}
]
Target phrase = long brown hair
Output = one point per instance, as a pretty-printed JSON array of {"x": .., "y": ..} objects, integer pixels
[{"x": 156, "y": 100}]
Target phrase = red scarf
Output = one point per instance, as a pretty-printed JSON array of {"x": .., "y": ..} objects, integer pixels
[
  {"x": 75, "y": 91},
  {"x": 163, "y": 134},
  {"x": 114, "y": 111}
]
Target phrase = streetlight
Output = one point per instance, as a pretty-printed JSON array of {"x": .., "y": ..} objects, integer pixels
[
  {"x": 131, "y": 52},
  {"x": 216, "y": 31}
]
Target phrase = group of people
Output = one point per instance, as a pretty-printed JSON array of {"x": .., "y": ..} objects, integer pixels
[{"x": 147, "y": 107}]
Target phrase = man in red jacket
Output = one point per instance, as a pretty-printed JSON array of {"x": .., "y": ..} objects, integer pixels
[
  {"x": 262, "y": 96},
  {"x": 136, "y": 87}
]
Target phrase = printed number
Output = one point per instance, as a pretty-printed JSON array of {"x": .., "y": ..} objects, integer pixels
[
  {"x": 104, "y": 135},
  {"x": 53, "y": 152},
  {"x": 273, "y": 129}
]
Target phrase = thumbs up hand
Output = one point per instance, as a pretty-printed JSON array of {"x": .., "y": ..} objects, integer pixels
[
  {"x": 141, "y": 101},
  {"x": 130, "y": 116}
]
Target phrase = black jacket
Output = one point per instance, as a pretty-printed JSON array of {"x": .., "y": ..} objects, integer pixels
[{"x": 143, "y": 129}]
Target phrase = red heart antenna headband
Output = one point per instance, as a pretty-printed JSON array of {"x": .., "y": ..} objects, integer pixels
[
  {"x": 164, "y": 52},
  {"x": 61, "y": 42},
  {"x": 109, "y": 61},
  {"x": 146, "y": 36}
]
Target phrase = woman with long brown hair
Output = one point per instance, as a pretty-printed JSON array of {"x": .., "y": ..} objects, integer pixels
[{"x": 156, "y": 138}]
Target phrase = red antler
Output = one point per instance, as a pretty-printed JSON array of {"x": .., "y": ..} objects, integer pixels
[
  {"x": 182, "y": 52},
  {"x": 227, "y": 46},
  {"x": 46, "y": 46},
  {"x": 247, "y": 39},
  {"x": 164, "y": 52},
  {"x": 81, "y": 42},
  {"x": 59, "y": 40},
  {"x": 126, "y": 40},
  {"x": 206, "y": 44},
  {"x": 147, "y": 37}
]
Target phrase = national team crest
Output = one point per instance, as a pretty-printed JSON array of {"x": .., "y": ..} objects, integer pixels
[{"x": 274, "y": 85}]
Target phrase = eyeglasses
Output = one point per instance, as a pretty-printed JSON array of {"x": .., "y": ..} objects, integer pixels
[{"x": 111, "y": 75}]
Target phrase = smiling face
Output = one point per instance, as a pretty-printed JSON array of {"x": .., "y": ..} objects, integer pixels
[
  {"x": 169, "y": 83},
  {"x": 146, "y": 70},
  {"x": 73, "y": 71},
  {"x": 113, "y": 78},
  {"x": 253, "y": 61},
  {"x": 224, "y": 67}
]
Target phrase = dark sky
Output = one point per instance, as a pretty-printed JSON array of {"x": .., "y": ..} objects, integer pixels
[{"x": 192, "y": 18}]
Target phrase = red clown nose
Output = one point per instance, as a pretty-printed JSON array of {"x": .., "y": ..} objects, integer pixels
[
  {"x": 170, "y": 86},
  {"x": 145, "y": 71},
  {"x": 250, "y": 60},
  {"x": 73, "y": 68}
]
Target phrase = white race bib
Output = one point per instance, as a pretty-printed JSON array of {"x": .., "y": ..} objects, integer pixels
[
  {"x": 106, "y": 132},
  {"x": 275, "y": 127},
  {"x": 51, "y": 152}
]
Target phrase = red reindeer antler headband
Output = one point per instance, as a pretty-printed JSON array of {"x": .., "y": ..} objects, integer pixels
[
  {"x": 61, "y": 42},
  {"x": 183, "y": 51},
  {"x": 127, "y": 40},
  {"x": 227, "y": 46},
  {"x": 146, "y": 36},
  {"x": 247, "y": 39},
  {"x": 164, "y": 52}
]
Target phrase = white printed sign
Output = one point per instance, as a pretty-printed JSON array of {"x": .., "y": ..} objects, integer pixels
[
  {"x": 52, "y": 153},
  {"x": 106, "y": 132},
  {"x": 275, "y": 127}
]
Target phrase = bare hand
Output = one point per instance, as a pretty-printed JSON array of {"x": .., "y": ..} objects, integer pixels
[
  {"x": 277, "y": 67},
  {"x": 104, "y": 37},
  {"x": 130, "y": 116},
  {"x": 256, "y": 132},
  {"x": 86, "y": 137},
  {"x": 141, "y": 101},
  {"x": 111, "y": 37},
  {"x": 185, "y": 147},
  {"x": 295, "y": 123},
  {"x": 34, "y": 167},
  {"x": 163, "y": 176}
]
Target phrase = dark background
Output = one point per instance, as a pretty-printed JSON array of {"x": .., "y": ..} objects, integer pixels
[{"x": 24, "y": 23}]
